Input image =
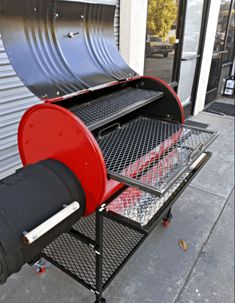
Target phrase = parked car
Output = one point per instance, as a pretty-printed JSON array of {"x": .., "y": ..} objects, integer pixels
[{"x": 155, "y": 45}]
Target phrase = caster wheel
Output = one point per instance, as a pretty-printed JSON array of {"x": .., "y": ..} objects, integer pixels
[
  {"x": 103, "y": 300},
  {"x": 166, "y": 224},
  {"x": 42, "y": 270},
  {"x": 40, "y": 267}
]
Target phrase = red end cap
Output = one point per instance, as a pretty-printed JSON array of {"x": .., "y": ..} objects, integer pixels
[{"x": 49, "y": 131}]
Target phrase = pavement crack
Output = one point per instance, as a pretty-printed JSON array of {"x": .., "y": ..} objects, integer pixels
[
  {"x": 201, "y": 252},
  {"x": 207, "y": 192}
]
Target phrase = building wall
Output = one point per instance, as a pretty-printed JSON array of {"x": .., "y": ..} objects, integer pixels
[
  {"x": 15, "y": 98},
  {"x": 133, "y": 20}
]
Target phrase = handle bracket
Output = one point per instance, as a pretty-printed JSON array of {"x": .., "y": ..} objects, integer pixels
[{"x": 42, "y": 229}]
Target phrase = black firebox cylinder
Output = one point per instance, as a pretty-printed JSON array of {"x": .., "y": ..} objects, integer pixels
[{"x": 28, "y": 198}]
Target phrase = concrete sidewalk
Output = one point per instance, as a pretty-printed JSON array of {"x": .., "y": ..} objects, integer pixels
[{"x": 160, "y": 272}]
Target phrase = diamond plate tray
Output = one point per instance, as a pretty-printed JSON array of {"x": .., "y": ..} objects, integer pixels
[{"x": 140, "y": 206}]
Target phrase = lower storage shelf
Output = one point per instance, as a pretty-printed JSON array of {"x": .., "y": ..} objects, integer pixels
[
  {"x": 98, "y": 246},
  {"x": 78, "y": 259},
  {"x": 152, "y": 154}
]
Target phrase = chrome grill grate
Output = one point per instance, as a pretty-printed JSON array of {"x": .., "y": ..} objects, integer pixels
[
  {"x": 95, "y": 112},
  {"x": 152, "y": 154}
]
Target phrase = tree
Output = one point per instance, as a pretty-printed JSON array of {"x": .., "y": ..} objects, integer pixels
[{"x": 161, "y": 16}]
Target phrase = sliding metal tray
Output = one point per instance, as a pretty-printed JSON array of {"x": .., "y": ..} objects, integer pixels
[
  {"x": 114, "y": 105},
  {"x": 151, "y": 154}
]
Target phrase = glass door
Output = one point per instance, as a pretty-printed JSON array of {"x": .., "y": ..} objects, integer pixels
[
  {"x": 162, "y": 38},
  {"x": 222, "y": 59},
  {"x": 191, "y": 51}
]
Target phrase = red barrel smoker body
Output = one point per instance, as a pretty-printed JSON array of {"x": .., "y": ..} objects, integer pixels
[
  {"x": 49, "y": 131},
  {"x": 103, "y": 136}
]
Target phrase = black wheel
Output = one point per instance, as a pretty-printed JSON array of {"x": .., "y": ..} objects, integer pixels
[
  {"x": 167, "y": 219},
  {"x": 103, "y": 300}
]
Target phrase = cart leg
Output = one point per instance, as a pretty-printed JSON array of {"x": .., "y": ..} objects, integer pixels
[
  {"x": 99, "y": 257},
  {"x": 102, "y": 300},
  {"x": 167, "y": 219}
]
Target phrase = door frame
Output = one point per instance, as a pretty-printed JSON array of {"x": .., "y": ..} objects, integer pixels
[
  {"x": 213, "y": 93},
  {"x": 178, "y": 46},
  {"x": 189, "y": 108}
]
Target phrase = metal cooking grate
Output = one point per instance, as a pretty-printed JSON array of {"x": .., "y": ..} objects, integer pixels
[
  {"x": 152, "y": 154},
  {"x": 105, "y": 108},
  {"x": 221, "y": 108},
  {"x": 78, "y": 258}
]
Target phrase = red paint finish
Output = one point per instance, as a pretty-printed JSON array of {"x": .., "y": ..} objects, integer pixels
[
  {"x": 166, "y": 224},
  {"x": 50, "y": 131}
]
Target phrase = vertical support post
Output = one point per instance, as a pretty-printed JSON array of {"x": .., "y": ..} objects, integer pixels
[
  {"x": 207, "y": 52},
  {"x": 133, "y": 21},
  {"x": 99, "y": 256}
]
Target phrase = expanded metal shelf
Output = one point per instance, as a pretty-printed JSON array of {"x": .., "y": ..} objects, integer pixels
[
  {"x": 79, "y": 259},
  {"x": 112, "y": 106},
  {"x": 152, "y": 154}
]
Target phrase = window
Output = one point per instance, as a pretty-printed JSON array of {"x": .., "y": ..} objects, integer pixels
[{"x": 161, "y": 38}]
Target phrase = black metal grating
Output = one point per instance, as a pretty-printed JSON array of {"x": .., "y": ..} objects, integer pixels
[
  {"x": 78, "y": 259},
  {"x": 152, "y": 154},
  {"x": 221, "y": 108},
  {"x": 105, "y": 107},
  {"x": 74, "y": 257},
  {"x": 86, "y": 226},
  {"x": 119, "y": 242}
]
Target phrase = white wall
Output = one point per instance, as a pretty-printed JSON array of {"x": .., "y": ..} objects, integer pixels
[
  {"x": 133, "y": 18},
  {"x": 207, "y": 55}
]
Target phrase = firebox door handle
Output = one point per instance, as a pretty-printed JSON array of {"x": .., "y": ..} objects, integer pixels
[{"x": 42, "y": 229}]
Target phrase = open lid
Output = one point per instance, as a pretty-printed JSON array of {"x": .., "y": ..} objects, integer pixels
[{"x": 58, "y": 47}]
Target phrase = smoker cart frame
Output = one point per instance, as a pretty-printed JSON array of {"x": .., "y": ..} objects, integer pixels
[
  {"x": 120, "y": 134},
  {"x": 103, "y": 269}
]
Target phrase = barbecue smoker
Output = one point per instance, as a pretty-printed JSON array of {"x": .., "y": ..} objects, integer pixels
[{"x": 105, "y": 156}]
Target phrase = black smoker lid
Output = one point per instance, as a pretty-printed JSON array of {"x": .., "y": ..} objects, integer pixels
[{"x": 58, "y": 47}]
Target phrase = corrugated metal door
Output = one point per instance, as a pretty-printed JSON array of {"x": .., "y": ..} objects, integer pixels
[
  {"x": 117, "y": 15},
  {"x": 15, "y": 98},
  {"x": 117, "y": 21}
]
